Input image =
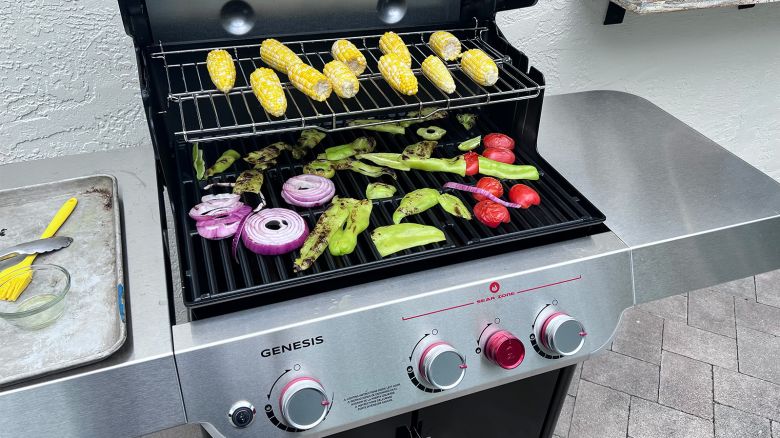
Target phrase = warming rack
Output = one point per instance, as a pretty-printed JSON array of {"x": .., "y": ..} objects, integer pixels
[{"x": 206, "y": 114}]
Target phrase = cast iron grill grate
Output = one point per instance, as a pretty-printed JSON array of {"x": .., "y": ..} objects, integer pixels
[
  {"x": 206, "y": 114},
  {"x": 211, "y": 274}
]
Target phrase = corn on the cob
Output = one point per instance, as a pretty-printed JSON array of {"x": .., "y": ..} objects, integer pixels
[
  {"x": 398, "y": 74},
  {"x": 347, "y": 53},
  {"x": 390, "y": 42},
  {"x": 445, "y": 45},
  {"x": 310, "y": 81},
  {"x": 221, "y": 69},
  {"x": 269, "y": 91},
  {"x": 341, "y": 78},
  {"x": 434, "y": 69},
  {"x": 479, "y": 67},
  {"x": 278, "y": 56}
]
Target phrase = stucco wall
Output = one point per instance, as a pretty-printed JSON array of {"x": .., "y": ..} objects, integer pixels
[{"x": 68, "y": 80}]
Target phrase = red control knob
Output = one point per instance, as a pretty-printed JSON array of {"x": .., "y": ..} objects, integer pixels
[{"x": 504, "y": 349}]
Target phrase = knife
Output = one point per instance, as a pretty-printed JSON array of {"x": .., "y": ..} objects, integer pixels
[{"x": 35, "y": 247}]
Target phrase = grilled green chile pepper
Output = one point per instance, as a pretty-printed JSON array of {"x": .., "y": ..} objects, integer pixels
[
  {"x": 249, "y": 181},
  {"x": 308, "y": 140},
  {"x": 323, "y": 168},
  {"x": 422, "y": 149},
  {"x": 265, "y": 165},
  {"x": 424, "y": 115},
  {"x": 507, "y": 171},
  {"x": 392, "y": 128},
  {"x": 431, "y": 133},
  {"x": 450, "y": 165},
  {"x": 378, "y": 190},
  {"x": 197, "y": 162},
  {"x": 385, "y": 159},
  {"x": 361, "y": 145},
  {"x": 344, "y": 240},
  {"x": 223, "y": 162},
  {"x": 328, "y": 223},
  {"x": 362, "y": 168},
  {"x": 393, "y": 238},
  {"x": 468, "y": 120},
  {"x": 415, "y": 202},
  {"x": 470, "y": 144},
  {"x": 266, "y": 154},
  {"x": 454, "y": 206}
]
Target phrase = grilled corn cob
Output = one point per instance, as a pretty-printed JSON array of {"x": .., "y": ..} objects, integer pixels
[
  {"x": 347, "y": 53},
  {"x": 310, "y": 81},
  {"x": 278, "y": 56},
  {"x": 221, "y": 69},
  {"x": 434, "y": 69},
  {"x": 445, "y": 45},
  {"x": 268, "y": 89},
  {"x": 398, "y": 74},
  {"x": 479, "y": 67},
  {"x": 390, "y": 42},
  {"x": 341, "y": 78}
]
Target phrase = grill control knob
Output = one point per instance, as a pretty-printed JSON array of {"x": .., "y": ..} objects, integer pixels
[
  {"x": 504, "y": 349},
  {"x": 440, "y": 366},
  {"x": 303, "y": 403},
  {"x": 558, "y": 333}
]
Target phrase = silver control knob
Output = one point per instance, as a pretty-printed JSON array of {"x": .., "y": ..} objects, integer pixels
[
  {"x": 241, "y": 414},
  {"x": 557, "y": 333},
  {"x": 303, "y": 403},
  {"x": 440, "y": 366}
]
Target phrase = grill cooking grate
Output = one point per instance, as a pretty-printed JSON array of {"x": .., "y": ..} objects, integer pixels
[
  {"x": 206, "y": 114},
  {"x": 211, "y": 275}
]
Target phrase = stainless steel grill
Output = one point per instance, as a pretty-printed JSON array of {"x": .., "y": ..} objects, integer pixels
[{"x": 206, "y": 114}]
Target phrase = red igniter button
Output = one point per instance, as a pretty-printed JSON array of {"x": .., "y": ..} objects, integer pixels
[{"x": 505, "y": 350}]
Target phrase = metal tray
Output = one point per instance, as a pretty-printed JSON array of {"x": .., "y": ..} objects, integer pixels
[{"x": 93, "y": 325}]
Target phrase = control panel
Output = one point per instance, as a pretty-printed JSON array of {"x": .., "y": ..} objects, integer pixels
[{"x": 332, "y": 374}]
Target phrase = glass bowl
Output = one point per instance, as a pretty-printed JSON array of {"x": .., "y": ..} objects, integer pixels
[{"x": 42, "y": 301}]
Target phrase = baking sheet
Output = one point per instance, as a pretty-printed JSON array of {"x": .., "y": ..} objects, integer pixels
[{"x": 93, "y": 324}]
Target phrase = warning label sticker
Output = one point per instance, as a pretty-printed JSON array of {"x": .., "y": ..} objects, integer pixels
[{"x": 372, "y": 398}]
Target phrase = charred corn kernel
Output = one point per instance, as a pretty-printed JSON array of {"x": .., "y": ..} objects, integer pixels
[
  {"x": 434, "y": 69},
  {"x": 445, "y": 45},
  {"x": 221, "y": 69},
  {"x": 269, "y": 91},
  {"x": 390, "y": 42},
  {"x": 278, "y": 56},
  {"x": 347, "y": 53},
  {"x": 398, "y": 74},
  {"x": 310, "y": 81},
  {"x": 479, "y": 67},
  {"x": 341, "y": 78}
]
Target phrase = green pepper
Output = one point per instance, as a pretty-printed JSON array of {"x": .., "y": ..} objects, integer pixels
[
  {"x": 392, "y": 161},
  {"x": 223, "y": 162},
  {"x": 360, "y": 145},
  {"x": 249, "y": 181},
  {"x": 506, "y": 171},
  {"x": 323, "y": 168},
  {"x": 344, "y": 240},
  {"x": 308, "y": 140},
  {"x": 468, "y": 120},
  {"x": 424, "y": 115},
  {"x": 415, "y": 202},
  {"x": 268, "y": 153},
  {"x": 392, "y": 128},
  {"x": 454, "y": 206},
  {"x": 393, "y": 238},
  {"x": 362, "y": 168},
  {"x": 422, "y": 149},
  {"x": 265, "y": 165},
  {"x": 470, "y": 144},
  {"x": 431, "y": 133},
  {"x": 198, "y": 163},
  {"x": 450, "y": 165},
  {"x": 378, "y": 190},
  {"x": 328, "y": 223}
]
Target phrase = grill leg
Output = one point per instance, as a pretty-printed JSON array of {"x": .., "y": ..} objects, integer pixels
[{"x": 559, "y": 396}]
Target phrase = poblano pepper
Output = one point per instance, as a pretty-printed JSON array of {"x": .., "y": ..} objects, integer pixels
[
  {"x": 468, "y": 120},
  {"x": 360, "y": 145},
  {"x": 362, "y": 168},
  {"x": 266, "y": 154},
  {"x": 422, "y": 149},
  {"x": 250, "y": 181},
  {"x": 223, "y": 162},
  {"x": 415, "y": 202},
  {"x": 378, "y": 190},
  {"x": 454, "y": 206},
  {"x": 308, "y": 140},
  {"x": 385, "y": 159},
  {"x": 425, "y": 115},
  {"x": 344, "y": 240},
  {"x": 328, "y": 223},
  {"x": 393, "y": 238},
  {"x": 323, "y": 168}
]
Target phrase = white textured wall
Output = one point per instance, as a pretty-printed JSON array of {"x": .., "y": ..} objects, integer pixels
[
  {"x": 68, "y": 81},
  {"x": 717, "y": 70}
]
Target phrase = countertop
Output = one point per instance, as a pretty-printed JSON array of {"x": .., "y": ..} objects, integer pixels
[{"x": 653, "y": 6}]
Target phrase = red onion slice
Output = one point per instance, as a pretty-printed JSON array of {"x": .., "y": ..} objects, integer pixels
[
  {"x": 308, "y": 190},
  {"x": 483, "y": 192},
  {"x": 214, "y": 228},
  {"x": 274, "y": 231},
  {"x": 215, "y": 205}
]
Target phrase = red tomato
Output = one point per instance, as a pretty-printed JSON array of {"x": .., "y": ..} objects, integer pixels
[
  {"x": 524, "y": 195},
  {"x": 492, "y": 185},
  {"x": 491, "y": 213},
  {"x": 500, "y": 141},
  {"x": 472, "y": 163},
  {"x": 497, "y": 154}
]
